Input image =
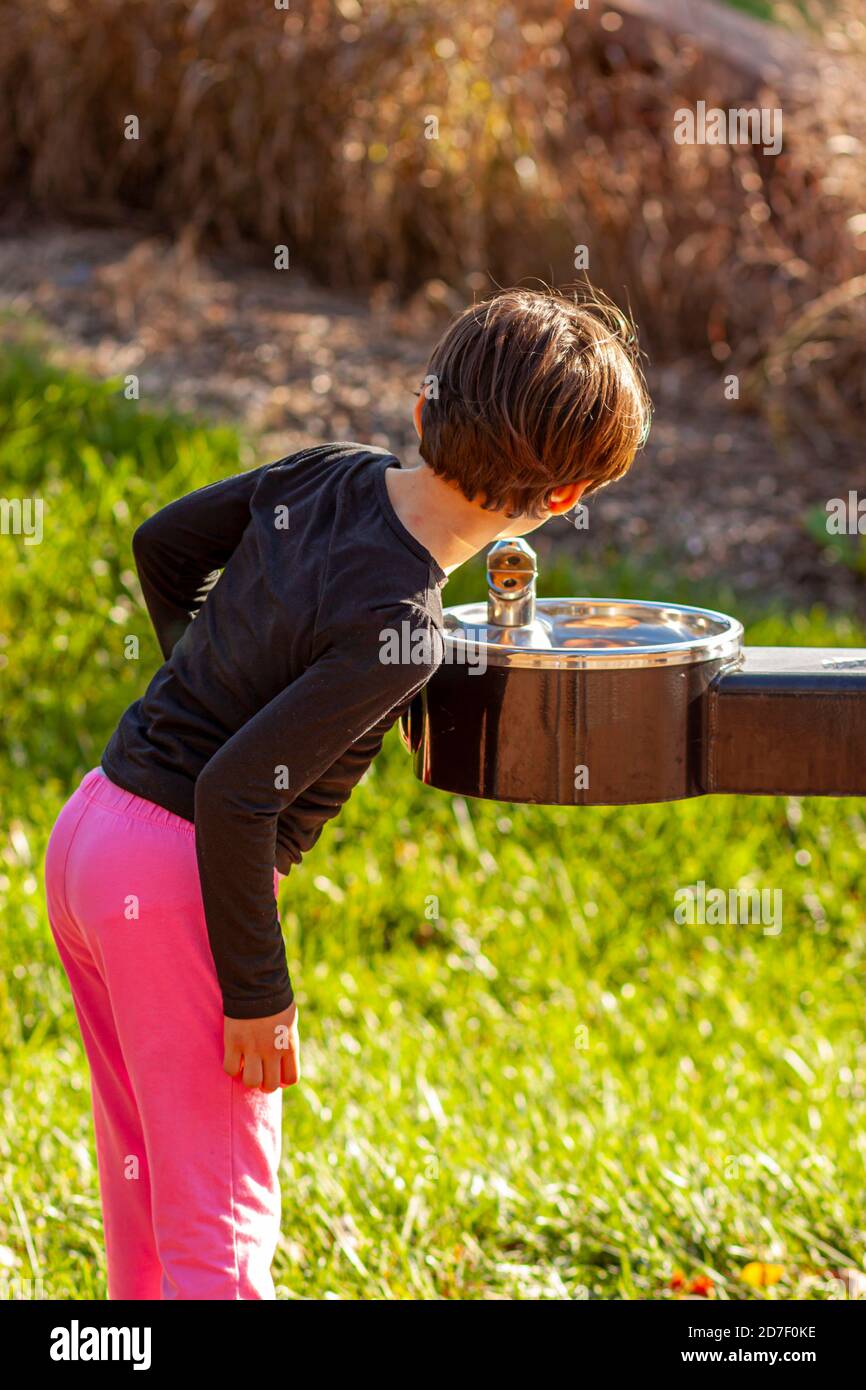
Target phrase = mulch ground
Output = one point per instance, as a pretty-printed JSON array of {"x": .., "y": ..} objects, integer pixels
[{"x": 713, "y": 494}]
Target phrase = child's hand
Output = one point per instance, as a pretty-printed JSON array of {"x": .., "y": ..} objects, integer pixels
[{"x": 268, "y": 1049}]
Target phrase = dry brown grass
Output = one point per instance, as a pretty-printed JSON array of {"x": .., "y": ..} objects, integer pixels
[{"x": 307, "y": 127}]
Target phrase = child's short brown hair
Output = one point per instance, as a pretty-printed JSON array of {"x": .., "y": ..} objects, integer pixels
[{"x": 530, "y": 390}]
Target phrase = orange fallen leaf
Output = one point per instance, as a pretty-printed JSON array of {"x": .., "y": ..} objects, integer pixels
[{"x": 702, "y": 1286}]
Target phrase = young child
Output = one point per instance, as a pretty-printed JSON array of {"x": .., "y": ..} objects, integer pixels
[{"x": 272, "y": 700}]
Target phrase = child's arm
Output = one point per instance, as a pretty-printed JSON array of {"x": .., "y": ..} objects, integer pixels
[
  {"x": 240, "y": 793},
  {"x": 301, "y": 824},
  {"x": 180, "y": 550},
  {"x": 251, "y": 1044}
]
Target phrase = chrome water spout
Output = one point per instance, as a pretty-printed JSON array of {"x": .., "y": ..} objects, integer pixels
[{"x": 512, "y": 570}]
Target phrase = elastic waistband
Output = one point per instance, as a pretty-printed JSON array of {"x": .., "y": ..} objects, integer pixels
[{"x": 98, "y": 787}]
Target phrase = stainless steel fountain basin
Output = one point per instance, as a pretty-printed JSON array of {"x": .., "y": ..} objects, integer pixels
[
  {"x": 597, "y": 634},
  {"x": 592, "y": 701}
]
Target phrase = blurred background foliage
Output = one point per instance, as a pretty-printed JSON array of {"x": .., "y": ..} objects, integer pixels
[{"x": 306, "y": 127}]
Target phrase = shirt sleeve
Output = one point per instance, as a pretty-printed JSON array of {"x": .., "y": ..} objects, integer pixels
[
  {"x": 180, "y": 550},
  {"x": 301, "y": 824},
  {"x": 266, "y": 766}
]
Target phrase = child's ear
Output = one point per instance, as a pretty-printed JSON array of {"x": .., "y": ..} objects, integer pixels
[
  {"x": 418, "y": 412},
  {"x": 562, "y": 499}
]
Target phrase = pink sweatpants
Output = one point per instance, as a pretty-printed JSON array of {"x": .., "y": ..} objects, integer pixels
[{"x": 187, "y": 1156}]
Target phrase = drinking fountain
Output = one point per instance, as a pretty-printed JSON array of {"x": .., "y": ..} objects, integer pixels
[{"x": 595, "y": 701}]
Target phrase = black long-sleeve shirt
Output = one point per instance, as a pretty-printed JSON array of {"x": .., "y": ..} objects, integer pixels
[{"x": 281, "y": 676}]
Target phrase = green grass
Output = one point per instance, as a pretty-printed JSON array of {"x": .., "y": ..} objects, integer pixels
[
  {"x": 759, "y": 9},
  {"x": 771, "y": 11},
  {"x": 545, "y": 1089}
]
